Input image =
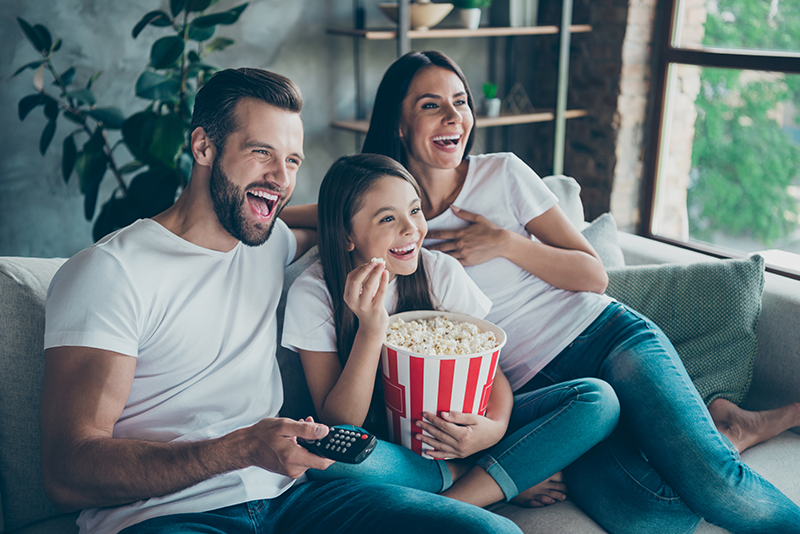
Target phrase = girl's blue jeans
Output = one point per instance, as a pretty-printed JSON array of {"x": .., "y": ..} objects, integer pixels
[
  {"x": 549, "y": 428},
  {"x": 665, "y": 465}
]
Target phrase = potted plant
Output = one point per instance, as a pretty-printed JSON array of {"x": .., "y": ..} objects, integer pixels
[
  {"x": 470, "y": 11},
  {"x": 491, "y": 104}
]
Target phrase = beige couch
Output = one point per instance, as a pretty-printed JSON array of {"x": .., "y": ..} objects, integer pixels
[{"x": 26, "y": 509}]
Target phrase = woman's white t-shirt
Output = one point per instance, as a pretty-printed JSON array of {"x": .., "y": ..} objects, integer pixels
[
  {"x": 308, "y": 321},
  {"x": 539, "y": 319}
]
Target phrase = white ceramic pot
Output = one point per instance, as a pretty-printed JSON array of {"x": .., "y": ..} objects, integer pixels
[
  {"x": 471, "y": 18},
  {"x": 491, "y": 107}
]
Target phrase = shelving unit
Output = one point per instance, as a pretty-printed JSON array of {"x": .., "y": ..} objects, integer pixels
[{"x": 403, "y": 35}]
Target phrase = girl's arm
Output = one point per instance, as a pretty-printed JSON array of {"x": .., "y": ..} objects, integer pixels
[
  {"x": 302, "y": 216},
  {"x": 458, "y": 435},
  {"x": 563, "y": 258},
  {"x": 343, "y": 395}
]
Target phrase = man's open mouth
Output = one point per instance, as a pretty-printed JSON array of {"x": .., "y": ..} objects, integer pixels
[
  {"x": 446, "y": 140},
  {"x": 263, "y": 202}
]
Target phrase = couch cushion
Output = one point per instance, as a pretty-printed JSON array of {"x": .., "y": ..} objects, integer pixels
[
  {"x": 709, "y": 311},
  {"x": 23, "y": 286},
  {"x": 602, "y": 235}
]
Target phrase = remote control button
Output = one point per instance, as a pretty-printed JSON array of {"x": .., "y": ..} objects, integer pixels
[{"x": 363, "y": 436}]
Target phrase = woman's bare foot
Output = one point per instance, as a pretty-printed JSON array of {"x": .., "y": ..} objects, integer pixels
[
  {"x": 544, "y": 493},
  {"x": 746, "y": 429}
]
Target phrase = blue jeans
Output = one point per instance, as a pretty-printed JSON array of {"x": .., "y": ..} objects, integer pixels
[
  {"x": 346, "y": 506},
  {"x": 548, "y": 430},
  {"x": 665, "y": 465}
]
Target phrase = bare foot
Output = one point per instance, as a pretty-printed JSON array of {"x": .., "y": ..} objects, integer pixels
[
  {"x": 544, "y": 493},
  {"x": 746, "y": 429}
]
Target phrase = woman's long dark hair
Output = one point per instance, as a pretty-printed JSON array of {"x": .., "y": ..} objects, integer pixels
[
  {"x": 341, "y": 196},
  {"x": 383, "y": 136}
]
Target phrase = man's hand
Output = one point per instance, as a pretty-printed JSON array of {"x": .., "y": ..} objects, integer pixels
[
  {"x": 478, "y": 243},
  {"x": 458, "y": 435},
  {"x": 276, "y": 447}
]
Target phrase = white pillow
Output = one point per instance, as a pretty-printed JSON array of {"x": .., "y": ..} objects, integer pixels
[{"x": 568, "y": 192}]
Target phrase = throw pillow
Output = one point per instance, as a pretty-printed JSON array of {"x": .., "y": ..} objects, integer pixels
[
  {"x": 709, "y": 311},
  {"x": 602, "y": 235},
  {"x": 568, "y": 192}
]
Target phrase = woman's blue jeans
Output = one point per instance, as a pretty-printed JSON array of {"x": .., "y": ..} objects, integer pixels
[
  {"x": 548, "y": 430},
  {"x": 665, "y": 465},
  {"x": 342, "y": 506}
]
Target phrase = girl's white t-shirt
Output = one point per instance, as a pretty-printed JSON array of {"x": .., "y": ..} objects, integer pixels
[
  {"x": 539, "y": 319},
  {"x": 308, "y": 321}
]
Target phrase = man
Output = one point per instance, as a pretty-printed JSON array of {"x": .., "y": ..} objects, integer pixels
[{"x": 161, "y": 392}]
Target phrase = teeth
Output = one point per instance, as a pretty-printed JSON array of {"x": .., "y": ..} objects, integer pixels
[
  {"x": 265, "y": 195},
  {"x": 446, "y": 138},
  {"x": 404, "y": 249}
]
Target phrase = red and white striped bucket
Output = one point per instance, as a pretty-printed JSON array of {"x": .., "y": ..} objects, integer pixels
[{"x": 415, "y": 383}]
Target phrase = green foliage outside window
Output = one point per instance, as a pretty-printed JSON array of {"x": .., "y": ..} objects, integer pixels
[{"x": 742, "y": 160}]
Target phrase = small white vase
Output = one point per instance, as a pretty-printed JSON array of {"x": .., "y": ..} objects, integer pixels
[
  {"x": 471, "y": 18},
  {"x": 491, "y": 107}
]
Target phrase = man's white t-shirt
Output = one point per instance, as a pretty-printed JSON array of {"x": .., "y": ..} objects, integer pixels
[
  {"x": 308, "y": 323},
  {"x": 201, "y": 324},
  {"x": 539, "y": 319}
]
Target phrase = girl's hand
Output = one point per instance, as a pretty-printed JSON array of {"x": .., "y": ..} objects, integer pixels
[
  {"x": 478, "y": 243},
  {"x": 364, "y": 292},
  {"x": 458, "y": 435}
]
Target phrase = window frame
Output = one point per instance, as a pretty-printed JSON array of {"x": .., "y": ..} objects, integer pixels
[{"x": 665, "y": 54}]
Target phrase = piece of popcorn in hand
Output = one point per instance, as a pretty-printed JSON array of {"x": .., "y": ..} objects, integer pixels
[{"x": 378, "y": 260}]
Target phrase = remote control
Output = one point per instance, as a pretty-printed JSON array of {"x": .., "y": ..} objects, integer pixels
[{"x": 343, "y": 444}]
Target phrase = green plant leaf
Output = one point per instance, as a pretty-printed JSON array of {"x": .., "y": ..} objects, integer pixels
[
  {"x": 32, "y": 35},
  {"x": 77, "y": 118},
  {"x": 56, "y": 46},
  {"x": 31, "y": 65},
  {"x": 67, "y": 76},
  {"x": 156, "y": 18},
  {"x": 198, "y": 5},
  {"x": 28, "y": 103},
  {"x": 90, "y": 165},
  {"x": 131, "y": 166},
  {"x": 154, "y": 86},
  {"x": 193, "y": 56},
  {"x": 137, "y": 132},
  {"x": 175, "y": 6},
  {"x": 93, "y": 79},
  {"x": 153, "y": 191},
  {"x": 225, "y": 18},
  {"x": 44, "y": 35},
  {"x": 166, "y": 51},
  {"x": 220, "y": 43},
  {"x": 68, "y": 156},
  {"x": 83, "y": 95},
  {"x": 112, "y": 118},
  {"x": 47, "y": 136},
  {"x": 169, "y": 135},
  {"x": 201, "y": 34},
  {"x": 50, "y": 108}
]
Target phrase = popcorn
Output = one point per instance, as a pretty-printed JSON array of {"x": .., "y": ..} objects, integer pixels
[
  {"x": 439, "y": 336},
  {"x": 378, "y": 260}
]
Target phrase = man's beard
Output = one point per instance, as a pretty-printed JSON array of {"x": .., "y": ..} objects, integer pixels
[{"x": 230, "y": 205}]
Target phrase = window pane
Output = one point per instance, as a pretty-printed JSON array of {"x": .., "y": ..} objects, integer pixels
[
  {"x": 739, "y": 24},
  {"x": 729, "y": 173}
]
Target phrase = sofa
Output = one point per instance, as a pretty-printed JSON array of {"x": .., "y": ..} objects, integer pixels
[{"x": 23, "y": 286}]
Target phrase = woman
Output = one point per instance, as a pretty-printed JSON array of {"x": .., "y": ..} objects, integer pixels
[{"x": 666, "y": 465}]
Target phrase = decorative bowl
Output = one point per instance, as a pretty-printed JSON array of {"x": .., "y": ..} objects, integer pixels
[{"x": 423, "y": 15}]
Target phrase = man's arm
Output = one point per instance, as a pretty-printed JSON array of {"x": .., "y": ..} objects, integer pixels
[
  {"x": 84, "y": 466},
  {"x": 301, "y": 216},
  {"x": 305, "y": 240}
]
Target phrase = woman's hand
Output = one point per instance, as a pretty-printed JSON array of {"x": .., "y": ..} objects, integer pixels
[
  {"x": 478, "y": 243},
  {"x": 364, "y": 292},
  {"x": 458, "y": 435}
]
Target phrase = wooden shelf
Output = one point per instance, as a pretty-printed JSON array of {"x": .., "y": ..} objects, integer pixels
[
  {"x": 449, "y": 33},
  {"x": 482, "y": 122}
]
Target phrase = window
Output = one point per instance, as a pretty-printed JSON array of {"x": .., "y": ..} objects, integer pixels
[{"x": 726, "y": 170}]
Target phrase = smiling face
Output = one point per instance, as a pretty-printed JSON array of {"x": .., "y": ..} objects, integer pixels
[
  {"x": 254, "y": 176},
  {"x": 435, "y": 121},
  {"x": 389, "y": 225}
]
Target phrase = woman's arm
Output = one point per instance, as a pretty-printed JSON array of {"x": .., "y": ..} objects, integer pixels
[
  {"x": 563, "y": 258},
  {"x": 343, "y": 395},
  {"x": 458, "y": 435},
  {"x": 302, "y": 216}
]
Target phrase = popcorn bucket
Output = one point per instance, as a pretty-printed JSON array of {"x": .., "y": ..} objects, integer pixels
[{"x": 415, "y": 383}]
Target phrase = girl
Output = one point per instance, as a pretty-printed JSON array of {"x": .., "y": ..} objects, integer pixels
[
  {"x": 336, "y": 317},
  {"x": 665, "y": 463}
]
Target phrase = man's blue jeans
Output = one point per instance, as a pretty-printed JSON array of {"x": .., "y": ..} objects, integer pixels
[
  {"x": 665, "y": 465},
  {"x": 548, "y": 430},
  {"x": 342, "y": 506}
]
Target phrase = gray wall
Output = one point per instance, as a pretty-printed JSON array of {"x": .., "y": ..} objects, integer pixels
[{"x": 42, "y": 216}]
